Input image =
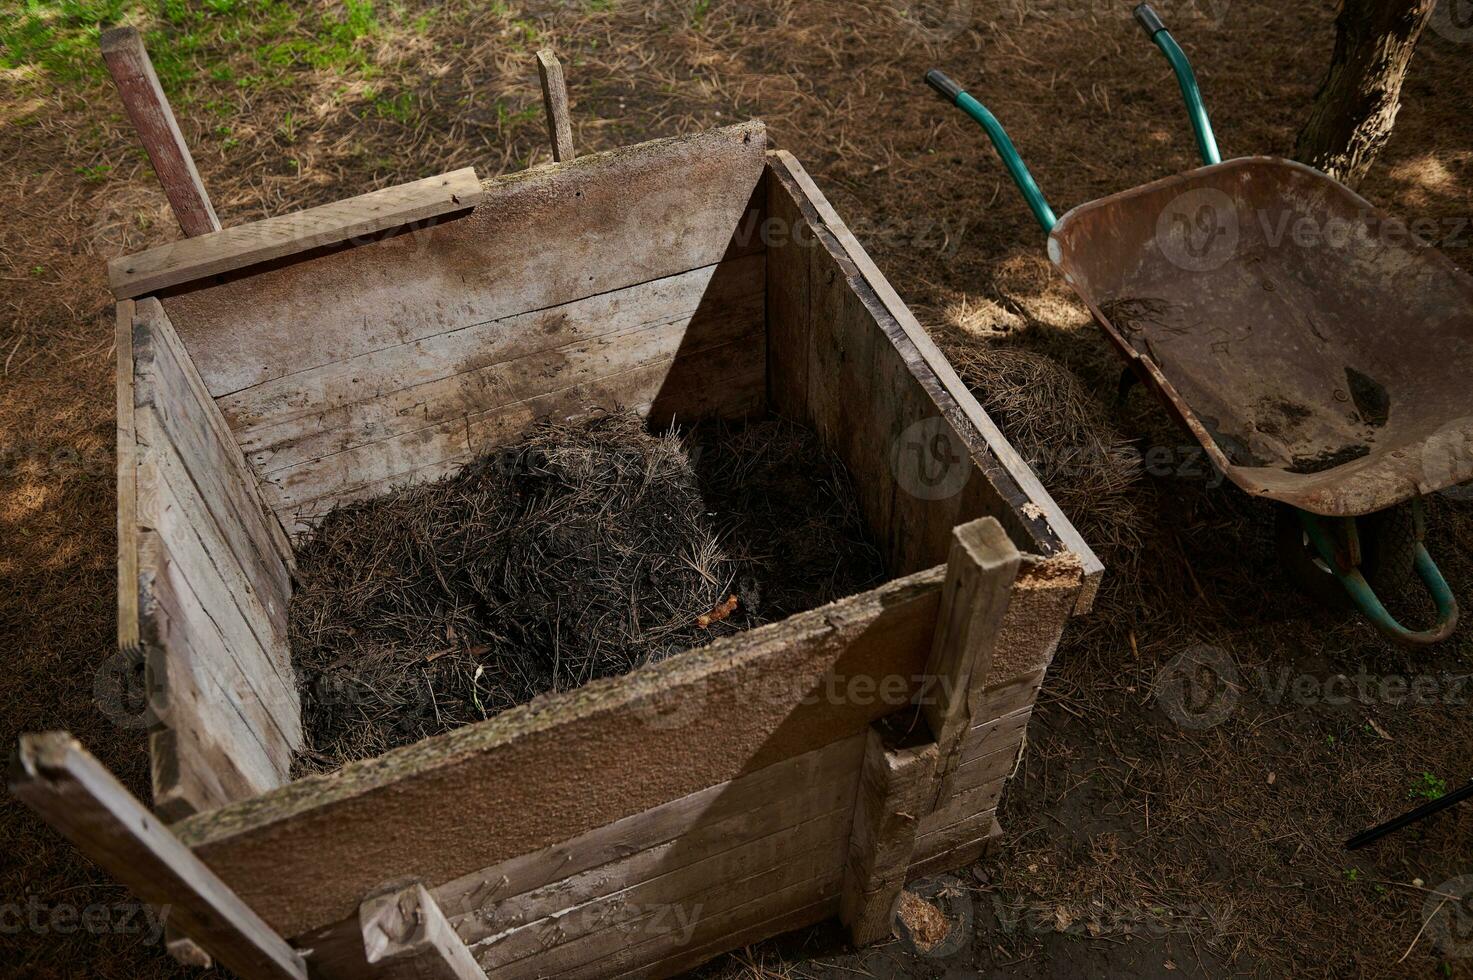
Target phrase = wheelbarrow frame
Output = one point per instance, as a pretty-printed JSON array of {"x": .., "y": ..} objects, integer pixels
[{"x": 1334, "y": 539}]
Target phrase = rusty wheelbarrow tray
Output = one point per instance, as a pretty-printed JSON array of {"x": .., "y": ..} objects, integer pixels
[{"x": 1318, "y": 350}]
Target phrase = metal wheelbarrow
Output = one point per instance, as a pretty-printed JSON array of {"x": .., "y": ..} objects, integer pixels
[{"x": 1321, "y": 353}]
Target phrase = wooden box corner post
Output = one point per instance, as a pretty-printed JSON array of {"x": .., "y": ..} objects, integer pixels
[
  {"x": 980, "y": 573},
  {"x": 900, "y": 784}
]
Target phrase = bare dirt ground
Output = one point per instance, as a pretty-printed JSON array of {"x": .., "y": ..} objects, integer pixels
[{"x": 1135, "y": 845}]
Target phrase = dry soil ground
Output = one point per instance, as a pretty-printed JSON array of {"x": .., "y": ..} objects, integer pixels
[{"x": 1135, "y": 845}]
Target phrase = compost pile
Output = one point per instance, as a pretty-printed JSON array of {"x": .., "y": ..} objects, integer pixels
[{"x": 587, "y": 550}]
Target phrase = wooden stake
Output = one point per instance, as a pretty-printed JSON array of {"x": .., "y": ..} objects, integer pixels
[
  {"x": 892, "y": 785},
  {"x": 148, "y": 108},
  {"x": 74, "y": 793},
  {"x": 407, "y": 937},
  {"x": 555, "y": 99},
  {"x": 979, "y": 579}
]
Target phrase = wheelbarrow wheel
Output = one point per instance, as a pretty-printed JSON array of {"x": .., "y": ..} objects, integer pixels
[{"x": 1388, "y": 544}]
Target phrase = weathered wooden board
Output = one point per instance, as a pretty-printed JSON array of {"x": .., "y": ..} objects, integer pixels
[
  {"x": 720, "y": 381},
  {"x": 127, "y": 443},
  {"x": 407, "y": 937},
  {"x": 660, "y": 733},
  {"x": 538, "y": 239},
  {"x": 893, "y": 786},
  {"x": 974, "y": 606},
  {"x": 773, "y": 915},
  {"x": 148, "y": 109},
  {"x": 615, "y": 858},
  {"x": 243, "y": 246},
  {"x": 555, "y": 104},
  {"x": 602, "y": 935},
  {"x": 211, "y": 587},
  {"x": 1011, "y": 484},
  {"x": 990, "y": 736},
  {"x": 396, "y": 412},
  {"x": 57, "y": 778}
]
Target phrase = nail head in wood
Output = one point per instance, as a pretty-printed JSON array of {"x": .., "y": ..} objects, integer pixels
[
  {"x": 148, "y": 109},
  {"x": 555, "y": 99}
]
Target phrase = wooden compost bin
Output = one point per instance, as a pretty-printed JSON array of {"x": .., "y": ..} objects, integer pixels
[{"x": 636, "y": 826}]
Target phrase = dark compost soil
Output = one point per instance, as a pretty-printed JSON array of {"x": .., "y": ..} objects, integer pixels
[{"x": 588, "y": 549}]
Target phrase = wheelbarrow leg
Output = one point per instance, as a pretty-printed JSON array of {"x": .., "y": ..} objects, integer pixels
[{"x": 1342, "y": 554}]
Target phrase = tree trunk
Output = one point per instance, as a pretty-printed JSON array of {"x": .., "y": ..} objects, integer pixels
[{"x": 1359, "y": 98}]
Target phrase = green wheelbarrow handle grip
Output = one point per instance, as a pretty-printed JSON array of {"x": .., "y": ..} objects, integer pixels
[
  {"x": 1156, "y": 30},
  {"x": 1365, "y": 597},
  {"x": 953, "y": 93}
]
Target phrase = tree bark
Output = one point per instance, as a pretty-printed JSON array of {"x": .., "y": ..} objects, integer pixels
[{"x": 1357, "y": 103}]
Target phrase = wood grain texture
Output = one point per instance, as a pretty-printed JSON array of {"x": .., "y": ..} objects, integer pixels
[
  {"x": 555, "y": 104},
  {"x": 58, "y": 779},
  {"x": 359, "y": 218},
  {"x": 893, "y": 785},
  {"x": 148, "y": 109},
  {"x": 494, "y": 903},
  {"x": 690, "y": 344},
  {"x": 651, "y": 917},
  {"x": 974, "y": 605},
  {"x": 601, "y": 222},
  {"x": 212, "y": 587},
  {"x": 1013, "y": 481},
  {"x": 127, "y": 448},
  {"x": 407, "y": 937},
  {"x": 608, "y": 860},
  {"x": 662, "y": 732},
  {"x": 788, "y": 261}
]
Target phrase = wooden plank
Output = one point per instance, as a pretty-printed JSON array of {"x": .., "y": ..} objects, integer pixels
[
  {"x": 756, "y": 804},
  {"x": 184, "y": 777},
  {"x": 1009, "y": 471},
  {"x": 990, "y": 768},
  {"x": 964, "y": 818},
  {"x": 212, "y": 588},
  {"x": 213, "y": 632},
  {"x": 58, "y": 779},
  {"x": 555, "y": 103},
  {"x": 148, "y": 109},
  {"x": 171, "y": 507},
  {"x": 653, "y": 843},
  {"x": 127, "y": 483},
  {"x": 951, "y": 856},
  {"x": 720, "y": 911},
  {"x": 892, "y": 789},
  {"x": 407, "y": 937},
  {"x": 201, "y": 694},
  {"x": 601, "y": 222},
  {"x": 974, "y": 605},
  {"x": 417, "y": 203},
  {"x": 788, "y": 317},
  {"x": 478, "y": 370},
  {"x": 168, "y": 384},
  {"x": 990, "y": 736},
  {"x": 1007, "y": 696},
  {"x": 736, "y": 934},
  {"x": 594, "y": 935},
  {"x": 720, "y": 381},
  {"x": 363, "y": 389},
  {"x": 1047, "y": 593},
  {"x": 708, "y": 716}
]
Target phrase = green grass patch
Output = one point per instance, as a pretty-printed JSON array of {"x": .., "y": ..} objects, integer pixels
[{"x": 192, "y": 41}]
